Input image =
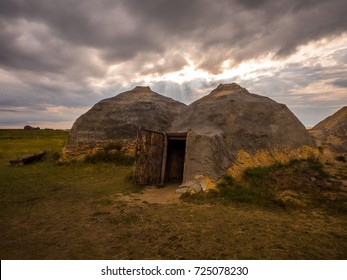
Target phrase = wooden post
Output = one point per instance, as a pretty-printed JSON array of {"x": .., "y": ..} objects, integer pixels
[{"x": 164, "y": 157}]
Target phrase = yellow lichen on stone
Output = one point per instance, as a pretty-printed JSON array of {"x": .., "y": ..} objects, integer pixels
[
  {"x": 205, "y": 182},
  {"x": 210, "y": 183},
  {"x": 245, "y": 160}
]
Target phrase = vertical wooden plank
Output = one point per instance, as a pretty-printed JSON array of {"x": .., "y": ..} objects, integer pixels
[
  {"x": 164, "y": 157},
  {"x": 149, "y": 157}
]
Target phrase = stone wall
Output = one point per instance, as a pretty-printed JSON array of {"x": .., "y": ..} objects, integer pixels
[{"x": 79, "y": 151}]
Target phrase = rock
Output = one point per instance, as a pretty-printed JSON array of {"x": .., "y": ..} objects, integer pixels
[
  {"x": 332, "y": 131},
  {"x": 313, "y": 179},
  {"x": 195, "y": 188},
  {"x": 204, "y": 186},
  {"x": 187, "y": 184},
  {"x": 182, "y": 190}
]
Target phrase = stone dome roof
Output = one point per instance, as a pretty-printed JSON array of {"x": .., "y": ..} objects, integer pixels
[
  {"x": 121, "y": 116},
  {"x": 246, "y": 120}
]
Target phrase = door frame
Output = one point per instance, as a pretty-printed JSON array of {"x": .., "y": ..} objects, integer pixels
[{"x": 166, "y": 137}]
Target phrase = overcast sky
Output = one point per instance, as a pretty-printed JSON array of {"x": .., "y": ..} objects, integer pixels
[{"x": 58, "y": 58}]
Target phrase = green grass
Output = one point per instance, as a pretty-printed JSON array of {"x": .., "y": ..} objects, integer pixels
[
  {"x": 85, "y": 211},
  {"x": 230, "y": 192},
  {"x": 112, "y": 153},
  {"x": 18, "y": 142},
  {"x": 42, "y": 179},
  {"x": 51, "y": 192},
  {"x": 273, "y": 187}
]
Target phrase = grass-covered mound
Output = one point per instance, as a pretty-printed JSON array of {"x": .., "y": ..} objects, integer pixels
[{"x": 300, "y": 183}]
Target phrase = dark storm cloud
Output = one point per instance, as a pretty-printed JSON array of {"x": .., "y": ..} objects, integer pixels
[
  {"x": 51, "y": 52},
  {"x": 96, "y": 24},
  {"x": 19, "y": 52},
  {"x": 251, "y": 4},
  {"x": 239, "y": 32},
  {"x": 239, "y": 29},
  {"x": 340, "y": 83},
  {"x": 39, "y": 93}
]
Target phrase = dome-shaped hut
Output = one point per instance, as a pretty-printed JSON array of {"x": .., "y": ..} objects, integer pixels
[
  {"x": 119, "y": 118},
  {"x": 228, "y": 130}
]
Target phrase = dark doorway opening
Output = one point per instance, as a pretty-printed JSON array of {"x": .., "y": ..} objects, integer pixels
[{"x": 176, "y": 150}]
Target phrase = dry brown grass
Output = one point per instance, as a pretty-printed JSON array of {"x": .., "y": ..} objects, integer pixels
[{"x": 101, "y": 228}]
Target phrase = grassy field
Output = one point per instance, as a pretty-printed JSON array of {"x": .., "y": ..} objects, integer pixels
[{"x": 81, "y": 211}]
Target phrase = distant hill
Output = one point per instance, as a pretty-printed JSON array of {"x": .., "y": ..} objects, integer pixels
[{"x": 28, "y": 127}]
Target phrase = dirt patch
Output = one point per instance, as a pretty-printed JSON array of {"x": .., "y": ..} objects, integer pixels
[{"x": 153, "y": 195}]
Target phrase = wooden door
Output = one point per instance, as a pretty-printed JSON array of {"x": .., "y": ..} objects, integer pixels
[{"x": 149, "y": 157}]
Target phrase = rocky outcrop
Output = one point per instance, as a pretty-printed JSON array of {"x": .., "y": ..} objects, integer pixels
[
  {"x": 332, "y": 131},
  {"x": 118, "y": 118}
]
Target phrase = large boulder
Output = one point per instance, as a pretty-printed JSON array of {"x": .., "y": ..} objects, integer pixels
[
  {"x": 118, "y": 118},
  {"x": 332, "y": 131},
  {"x": 231, "y": 129}
]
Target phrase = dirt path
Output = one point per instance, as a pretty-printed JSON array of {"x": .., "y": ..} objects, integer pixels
[{"x": 154, "y": 195}]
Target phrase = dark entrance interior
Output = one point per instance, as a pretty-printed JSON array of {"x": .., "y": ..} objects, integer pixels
[{"x": 176, "y": 149}]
